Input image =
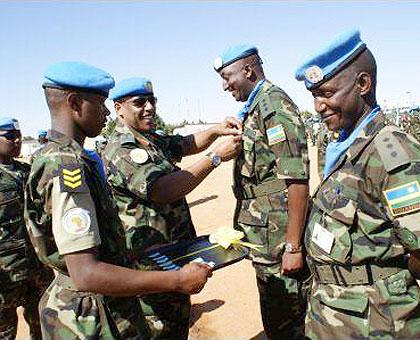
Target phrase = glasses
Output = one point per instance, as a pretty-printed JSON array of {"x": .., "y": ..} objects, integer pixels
[
  {"x": 11, "y": 135},
  {"x": 141, "y": 101}
]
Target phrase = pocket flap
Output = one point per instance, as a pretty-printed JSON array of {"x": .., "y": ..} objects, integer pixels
[{"x": 342, "y": 298}]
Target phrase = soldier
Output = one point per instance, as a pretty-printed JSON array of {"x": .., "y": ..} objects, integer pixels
[
  {"x": 271, "y": 186},
  {"x": 150, "y": 189},
  {"x": 23, "y": 278},
  {"x": 366, "y": 211},
  {"x": 74, "y": 225}
]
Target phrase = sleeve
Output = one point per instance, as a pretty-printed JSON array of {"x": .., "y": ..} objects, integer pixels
[
  {"x": 285, "y": 135},
  {"x": 74, "y": 222},
  {"x": 174, "y": 148},
  {"x": 401, "y": 188},
  {"x": 134, "y": 169}
]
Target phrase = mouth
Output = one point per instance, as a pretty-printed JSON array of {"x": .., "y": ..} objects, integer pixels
[{"x": 326, "y": 117}]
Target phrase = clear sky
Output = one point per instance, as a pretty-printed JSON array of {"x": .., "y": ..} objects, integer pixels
[{"x": 174, "y": 44}]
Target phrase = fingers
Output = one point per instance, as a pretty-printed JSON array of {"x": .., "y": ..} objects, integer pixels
[{"x": 234, "y": 122}]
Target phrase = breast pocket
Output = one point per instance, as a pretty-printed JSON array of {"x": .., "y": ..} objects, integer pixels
[
  {"x": 10, "y": 204},
  {"x": 248, "y": 165}
]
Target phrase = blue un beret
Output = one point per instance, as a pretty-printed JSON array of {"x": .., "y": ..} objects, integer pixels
[
  {"x": 232, "y": 54},
  {"x": 42, "y": 133},
  {"x": 79, "y": 76},
  {"x": 7, "y": 123},
  {"x": 131, "y": 87},
  {"x": 330, "y": 60}
]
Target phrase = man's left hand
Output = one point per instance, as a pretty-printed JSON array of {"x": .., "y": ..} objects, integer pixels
[{"x": 291, "y": 263}]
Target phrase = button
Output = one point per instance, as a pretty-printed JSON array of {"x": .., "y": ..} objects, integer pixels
[{"x": 286, "y": 172}]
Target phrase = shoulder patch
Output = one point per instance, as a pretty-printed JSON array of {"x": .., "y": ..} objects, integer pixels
[
  {"x": 139, "y": 156},
  {"x": 76, "y": 221},
  {"x": 403, "y": 199},
  {"x": 72, "y": 178},
  {"x": 276, "y": 134},
  {"x": 391, "y": 151}
]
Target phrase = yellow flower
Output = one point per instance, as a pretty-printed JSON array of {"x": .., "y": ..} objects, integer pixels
[{"x": 225, "y": 237}]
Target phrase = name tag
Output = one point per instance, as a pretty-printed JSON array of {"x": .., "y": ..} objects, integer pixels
[{"x": 322, "y": 238}]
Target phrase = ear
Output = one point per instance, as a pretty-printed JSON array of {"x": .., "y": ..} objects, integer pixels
[
  {"x": 248, "y": 71},
  {"x": 75, "y": 102},
  {"x": 364, "y": 83},
  {"x": 119, "y": 109}
]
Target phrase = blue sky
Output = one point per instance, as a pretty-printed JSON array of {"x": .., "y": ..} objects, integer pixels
[{"x": 174, "y": 44}]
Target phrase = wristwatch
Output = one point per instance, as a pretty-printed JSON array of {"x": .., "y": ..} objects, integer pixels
[
  {"x": 215, "y": 159},
  {"x": 289, "y": 248}
]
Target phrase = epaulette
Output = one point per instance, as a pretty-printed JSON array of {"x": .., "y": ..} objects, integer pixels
[
  {"x": 266, "y": 106},
  {"x": 390, "y": 149},
  {"x": 127, "y": 139}
]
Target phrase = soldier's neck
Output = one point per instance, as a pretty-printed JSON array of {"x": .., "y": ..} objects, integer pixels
[{"x": 69, "y": 129}]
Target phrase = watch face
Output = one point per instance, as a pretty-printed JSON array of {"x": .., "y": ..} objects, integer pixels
[
  {"x": 216, "y": 160},
  {"x": 289, "y": 247}
]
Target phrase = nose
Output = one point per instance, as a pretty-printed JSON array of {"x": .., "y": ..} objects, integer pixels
[
  {"x": 319, "y": 104},
  {"x": 225, "y": 85},
  {"x": 148, "y": 106}
]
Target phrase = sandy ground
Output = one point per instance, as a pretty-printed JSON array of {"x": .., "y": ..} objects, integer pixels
[{"x": 228, "y": 307}]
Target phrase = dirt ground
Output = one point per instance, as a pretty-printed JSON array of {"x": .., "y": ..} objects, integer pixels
[{"x": 228, "y": 307}]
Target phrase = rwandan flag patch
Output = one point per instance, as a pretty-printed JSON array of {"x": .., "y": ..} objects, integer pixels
[
  {"x": 403, "y": 199},
  {"x": 276, "y": 134}
]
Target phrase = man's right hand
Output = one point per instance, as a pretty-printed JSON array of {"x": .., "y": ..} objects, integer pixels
[
  {"x": 229, "y": 148},
  {"x": 192, "y": 278}
]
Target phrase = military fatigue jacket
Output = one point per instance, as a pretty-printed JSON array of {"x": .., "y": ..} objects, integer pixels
[
  {"x": 69, "y": 208},
  {"x": 16, "y": 252},
  {"x": 274, "y": 150},
  {"x": 133, "y": 162},
  {"x": 367, "y": 211}
]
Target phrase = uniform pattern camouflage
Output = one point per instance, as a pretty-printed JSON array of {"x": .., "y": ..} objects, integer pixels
[
  {"x": 23, "y": 278},
  {"x": 274, "y": 150},
  {"x": 361, "y": 287},
  {"x": 65, "y": 312},
  {"x": 146, "y": 223}
]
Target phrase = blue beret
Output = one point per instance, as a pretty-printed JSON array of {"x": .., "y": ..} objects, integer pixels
[
  {"x": 132, "y": 87},
  {"x": 232, "y": 54},
  {"x": 7, "y": 123},
  {"x": 79, "y": 76},
  {"x": 42, "y": 133},
  {"x": 330, "y": 60}
]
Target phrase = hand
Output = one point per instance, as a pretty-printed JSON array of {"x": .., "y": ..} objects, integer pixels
[
  {"x": 192, "y": 277},
  {"x": 291, "y": 263},
  {"x": 230, "y": 126},
  {"x": 229, "y": 148}
]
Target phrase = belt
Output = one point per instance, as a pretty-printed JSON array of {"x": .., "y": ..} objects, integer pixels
[
  {"x": 249, "y": 191},
  {"x": 365, "y": 274}
]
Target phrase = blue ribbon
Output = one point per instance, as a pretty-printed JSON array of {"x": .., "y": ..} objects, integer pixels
[
  {"x": 251, "y": 97},
  {"x": 336, "y": 149},
  {"x": 97, "y": 163}
]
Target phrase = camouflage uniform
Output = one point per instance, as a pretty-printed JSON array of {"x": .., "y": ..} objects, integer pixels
[
  {"x": 69, "y": 208},
  {"x": 23, "y": 278},
  {"x": 134, "y": 161},
  {"x": 274, "y": 150},
  {"x": 356, "y": 243}
]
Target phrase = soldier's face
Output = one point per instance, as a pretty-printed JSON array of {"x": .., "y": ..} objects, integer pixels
[
  {"x": 138, "y": 112},
  {"x": 10, "y": 143},
  {"x": 338, "y": 103},
  {"x": 95, "y": 113},
  {"x": 235, "y": 81}
]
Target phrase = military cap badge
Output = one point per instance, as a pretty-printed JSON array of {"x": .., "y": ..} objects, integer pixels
[
  {"x": 314, "y": 74},
  {"x": 148, "y": 86},
  {"x": 218, "y": 63}
]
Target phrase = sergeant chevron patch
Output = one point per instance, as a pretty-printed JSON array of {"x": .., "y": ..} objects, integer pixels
[{"x": 72, "y": 179}]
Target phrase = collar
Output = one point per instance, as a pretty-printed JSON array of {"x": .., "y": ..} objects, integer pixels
[
  {"x": 250, "y": 101},
  {"x": 122, "y": 129},
  {"x": 365, "y": 136},
  {"x": 264, "y": 88},
  {"x": 58, "y": 138}
]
